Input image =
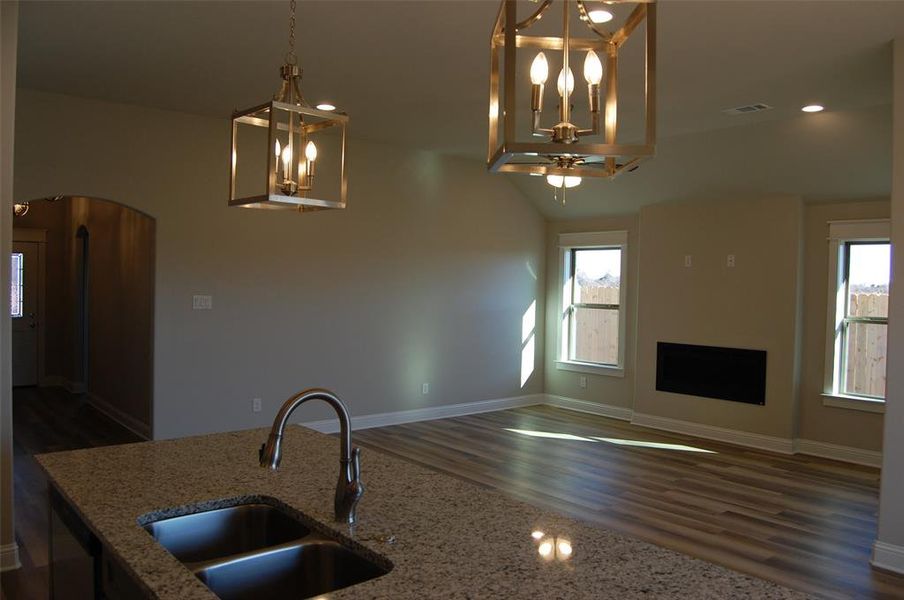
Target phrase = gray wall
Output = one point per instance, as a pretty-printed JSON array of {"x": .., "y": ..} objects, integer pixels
[
  {"x": 425, "y": 278},
  {"x": 8, "y": 33},
  {"x": 708, "y": 303},
  {"x": 821, "y": 423},
  {"x": 604, "y": 389},
  {"x": 754, "y": 305},
  {"x": 891, "y": 500}
]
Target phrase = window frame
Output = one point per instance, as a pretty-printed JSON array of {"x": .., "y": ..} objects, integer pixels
[
  {"x": 568, "y": 244},
  {"x": 842, "y": 235}
]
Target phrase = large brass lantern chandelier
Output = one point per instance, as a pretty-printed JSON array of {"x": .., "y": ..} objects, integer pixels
[
  {"x": 292, "y": 154},
  {"x": 575, "y": 143}
]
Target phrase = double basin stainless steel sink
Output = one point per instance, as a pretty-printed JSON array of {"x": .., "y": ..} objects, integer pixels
[{"x": 260, "y": 550}]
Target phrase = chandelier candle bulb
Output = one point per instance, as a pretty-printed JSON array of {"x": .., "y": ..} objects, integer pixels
[
  {"x": 310, "y": 153},
  {"x": 560, "y": 83},
  {"x": 593, "y": 68},
  {"x": 539, "y": 70},
  {"x": 287, "y": 163}
]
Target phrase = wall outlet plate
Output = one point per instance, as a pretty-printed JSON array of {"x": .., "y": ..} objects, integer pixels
[
  {"x": 256, "y": 405},
  {"x": 201, "y": 302}
]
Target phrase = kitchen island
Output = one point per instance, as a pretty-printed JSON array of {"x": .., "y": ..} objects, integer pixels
[{"x": 444, "y": 538}]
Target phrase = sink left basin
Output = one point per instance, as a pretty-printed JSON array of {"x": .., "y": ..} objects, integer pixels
[{"x": 213, "y": 534}]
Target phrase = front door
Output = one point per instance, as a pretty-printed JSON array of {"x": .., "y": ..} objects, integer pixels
[{"x": 24, "y": 310}]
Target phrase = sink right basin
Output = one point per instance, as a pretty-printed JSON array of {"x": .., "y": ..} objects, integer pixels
[
  {"x": 308, "y": 568},
  {"x": 259, "y": 550}
]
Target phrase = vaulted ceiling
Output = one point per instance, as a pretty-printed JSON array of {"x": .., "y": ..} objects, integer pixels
[{"x": 415, "y": 73}]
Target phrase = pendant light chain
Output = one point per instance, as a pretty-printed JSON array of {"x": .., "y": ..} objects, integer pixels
[{"x": 291, "y": 58}]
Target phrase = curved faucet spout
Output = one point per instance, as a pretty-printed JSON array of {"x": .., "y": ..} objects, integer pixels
[{"x": 349, "y": 488}]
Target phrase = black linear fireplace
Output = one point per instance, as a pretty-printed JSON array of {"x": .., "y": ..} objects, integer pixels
[{"x": 723, "y": 373}]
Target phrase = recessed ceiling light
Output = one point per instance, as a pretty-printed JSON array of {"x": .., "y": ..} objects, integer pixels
[
  {"x": 326, "y": 106},
  {"x": 812, "y": 108},
  {"x": 600, "y": 16}
]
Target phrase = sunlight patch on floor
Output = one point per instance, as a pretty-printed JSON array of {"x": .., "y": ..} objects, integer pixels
[
  {"x": 617, "y": 441},
  {"x": 657, "y": 445},
  {"x": 550, "y": 434}
]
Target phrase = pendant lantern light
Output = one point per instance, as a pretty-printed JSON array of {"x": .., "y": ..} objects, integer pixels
[
  {"x": 292, "y": 155},
  {"x": 567, "y": 149}
]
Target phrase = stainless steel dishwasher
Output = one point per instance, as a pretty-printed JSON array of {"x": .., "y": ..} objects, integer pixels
[{"x": 74, "y": 553}]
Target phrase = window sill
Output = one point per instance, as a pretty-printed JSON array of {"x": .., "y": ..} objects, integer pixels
[
  {"x": 854, "y": 403},
  {"x": 595, "y": 369}
]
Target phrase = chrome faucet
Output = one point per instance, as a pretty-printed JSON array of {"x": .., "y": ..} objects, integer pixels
[{"x": 349, "y": 489}]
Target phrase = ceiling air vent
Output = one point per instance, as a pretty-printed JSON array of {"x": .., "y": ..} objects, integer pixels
[{"x": 747, "y": 109}]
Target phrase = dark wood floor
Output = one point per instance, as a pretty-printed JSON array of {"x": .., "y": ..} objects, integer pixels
[
  {"x": 46, "y": 420},
  {"x": 803, "y": 522}
]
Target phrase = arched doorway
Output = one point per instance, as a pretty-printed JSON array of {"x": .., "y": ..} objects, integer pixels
[{"x": 97, "y": 303}]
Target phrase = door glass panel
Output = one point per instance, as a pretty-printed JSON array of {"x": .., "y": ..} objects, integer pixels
[
  {"x": 18, "y": 285},
  {"x": 865, "y": 359},
  {"x": 597, "y": 276},
  {"x": 596, "y": 335}
]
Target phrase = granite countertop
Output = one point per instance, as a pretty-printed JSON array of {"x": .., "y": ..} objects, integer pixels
[{"x": 452, "y": 538}]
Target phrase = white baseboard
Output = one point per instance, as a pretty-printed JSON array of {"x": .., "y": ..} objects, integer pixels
[
  {"x": 870, "y": 458},
  {"x": 140, "y": 429},
  {"x": 9, "y": 557},
  {"x": 721, "y": 434},
  {"x": 428, "y": 414},
  {"x": 594, "y": 408},
  {"x": 888, "y": 556}
]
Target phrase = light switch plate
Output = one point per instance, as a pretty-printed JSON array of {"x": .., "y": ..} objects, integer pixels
[
  {"x": 688, "y": 260},
  {"x": 201, "y": 302}
]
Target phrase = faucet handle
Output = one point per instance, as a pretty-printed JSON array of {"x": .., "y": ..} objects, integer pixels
[{"x": 356, "y": 464}]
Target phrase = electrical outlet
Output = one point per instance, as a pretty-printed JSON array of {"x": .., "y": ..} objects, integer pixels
[
  {"x": 256, "y": 405},
  {"x": 688, "y": 260},
  {"x": 583, "y": 382},
  {"x": 201, "y": 302},
  {"x": 425, "y": 389},
  {"x": 731, "y": 260}
]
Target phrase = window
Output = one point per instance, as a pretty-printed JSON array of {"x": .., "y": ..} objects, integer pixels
[
  {"x": 591, "y": 333},
  {"x": 860, "y": 262},
  {"x": 18, "y": 285}
]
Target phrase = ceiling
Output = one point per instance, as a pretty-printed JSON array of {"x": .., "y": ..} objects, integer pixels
[{"x": 415, "y": 72}]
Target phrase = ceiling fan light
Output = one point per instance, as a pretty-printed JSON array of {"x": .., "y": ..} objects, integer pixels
[
  {"x": 568, "y": 181},
  {"x": 572, "y": 181}
]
